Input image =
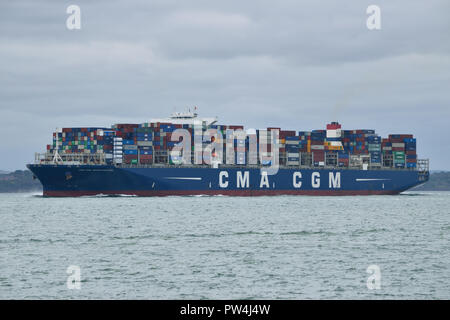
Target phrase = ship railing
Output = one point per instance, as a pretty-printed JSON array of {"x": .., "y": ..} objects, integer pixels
[
  {"x": 70, "y": 158},
  {"x": 423, "y": 167},
  {"x": 248, "y": 166},
  {"x": 99, "y": 159}
]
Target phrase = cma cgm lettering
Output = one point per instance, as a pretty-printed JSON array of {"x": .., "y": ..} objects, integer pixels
[
  {"x": 186, "y": 155},
  {"x": 242, "y": 180}
]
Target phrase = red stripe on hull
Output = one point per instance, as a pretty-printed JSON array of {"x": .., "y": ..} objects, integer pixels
[{"x": 240, "y": 193}]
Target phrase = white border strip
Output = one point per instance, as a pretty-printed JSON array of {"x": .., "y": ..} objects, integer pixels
[{"x": 184, "y": 178}]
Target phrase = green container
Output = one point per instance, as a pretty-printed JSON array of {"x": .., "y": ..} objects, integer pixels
[
  {"x": 134, "y": 161},
  {"x": 399, "y": 156}
]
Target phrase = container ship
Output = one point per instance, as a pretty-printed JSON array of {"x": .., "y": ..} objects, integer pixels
[{"x": 188, "y": 155}]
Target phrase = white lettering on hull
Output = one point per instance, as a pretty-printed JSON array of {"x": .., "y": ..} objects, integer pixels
[
  {"x": 315, "y": 180},
  {"x": 334, "y": 180},
  {"x": 295, "y": 179},
  {"x": 243, "y": 180},
  {"x": 264, "y": 180},
  {"x": 222, "y": 183}
]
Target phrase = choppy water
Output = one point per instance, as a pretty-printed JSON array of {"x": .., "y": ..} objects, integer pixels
[{"x": 225, "y": 248}]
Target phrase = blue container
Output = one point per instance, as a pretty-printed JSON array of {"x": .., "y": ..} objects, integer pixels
[
  {"x": 141, "y": 151},
  {"x": 292, "y": 148},
  {"x": 411, "y": 165},
  {"x": 144, "y": 139},
  {"x": 129, "y": 152},
  {"x": 374, "y": 139}
]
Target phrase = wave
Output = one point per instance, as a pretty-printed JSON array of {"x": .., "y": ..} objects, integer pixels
[{"x": 101, "y": 195}]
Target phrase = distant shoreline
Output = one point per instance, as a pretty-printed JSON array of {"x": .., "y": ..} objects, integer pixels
[{"x": 19, "y": 181}]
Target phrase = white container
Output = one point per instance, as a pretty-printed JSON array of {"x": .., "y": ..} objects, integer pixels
[
  {"x": 145, "y": 143},
  {"x": 336, "y": 133}
]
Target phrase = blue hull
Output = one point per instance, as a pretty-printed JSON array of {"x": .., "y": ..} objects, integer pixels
[{"x": 67, "y": 180}]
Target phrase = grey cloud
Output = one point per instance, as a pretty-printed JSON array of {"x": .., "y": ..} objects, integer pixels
[{"x": 288, "y": 63}]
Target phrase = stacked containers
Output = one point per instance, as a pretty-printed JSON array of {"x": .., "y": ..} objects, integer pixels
[
  {"x": 108, "y": 145},
  {"x": 304, "y": 146},
  {"x": 144, "y": 141},
  {"x": 410, "y": 151},
  {"x": 318, "y": 147},
  {"x": 118, "y": 150},
  {"x": 398, "y": 149},
  {"x": 386, "y": 148},
  {"x": 374, "y": 148},
  {"x": 151, "y": 143},
  {"x": 283, "y": 135},
  {"x": 333, "y": 145},
  {"x": 89, "y": 141},
  {"x": 293, "y": 150},
  {"x": 333, "y": 140},
  {"x": 264, "y": 144},
  {"x": 129, "y": 143}
]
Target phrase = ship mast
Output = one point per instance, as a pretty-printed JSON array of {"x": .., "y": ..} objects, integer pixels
[{"x": 56, "y": 157}]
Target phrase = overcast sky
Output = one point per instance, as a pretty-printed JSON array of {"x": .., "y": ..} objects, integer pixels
[{"x": 294, "y": 64}]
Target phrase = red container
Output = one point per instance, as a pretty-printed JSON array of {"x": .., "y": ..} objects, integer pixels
[
  {"x": 286, "y": 133},
  {"x": 318, "y": 155},
  {"x": 333, "y": 126},
  {"x": 129, "y": 157}
]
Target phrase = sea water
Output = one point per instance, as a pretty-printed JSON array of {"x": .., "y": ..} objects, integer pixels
[{"x": 284, "y": 247}]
